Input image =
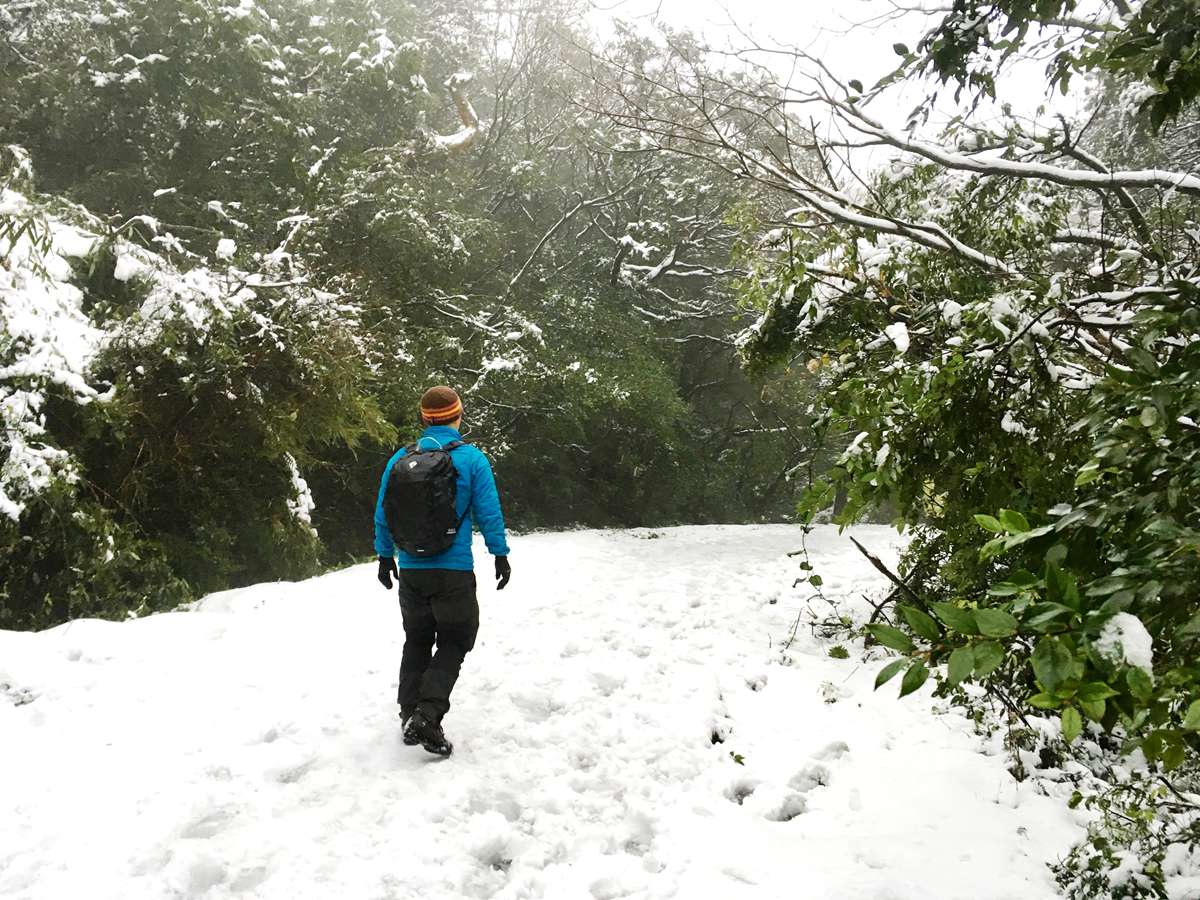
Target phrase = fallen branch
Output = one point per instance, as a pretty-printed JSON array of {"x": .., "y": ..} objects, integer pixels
[{"x": 884, "y": 570}]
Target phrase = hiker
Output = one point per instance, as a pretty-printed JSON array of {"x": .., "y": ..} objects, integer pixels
[{"x": 423, "y": 506}]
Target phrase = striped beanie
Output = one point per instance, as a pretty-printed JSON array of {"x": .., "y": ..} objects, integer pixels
[{"x": 440, "y": 406}]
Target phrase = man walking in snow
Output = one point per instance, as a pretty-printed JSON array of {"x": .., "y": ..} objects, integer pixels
[{"x": 423, "y": 504}]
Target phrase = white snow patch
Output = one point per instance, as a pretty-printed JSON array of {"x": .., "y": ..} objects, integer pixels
[
  {"x": 1124, "y": 639},
  {"x": 128, "y": 266},
  {"x": 951, "y": 312},
  {"x": 1010, "y": 424},
  {"x": 301, "y": 504},
  {"x": 897, "y": 332},
  {"x": 237, "y": 761}
]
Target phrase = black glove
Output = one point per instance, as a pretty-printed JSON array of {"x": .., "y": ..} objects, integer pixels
[
  {"x": 503, "y": 572},
  {"x": 387, "y": 571}
]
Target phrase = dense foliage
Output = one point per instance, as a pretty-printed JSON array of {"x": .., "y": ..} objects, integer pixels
[
  {"x": 1021, "y": 387},
  {"x": 267, "y": 227}
]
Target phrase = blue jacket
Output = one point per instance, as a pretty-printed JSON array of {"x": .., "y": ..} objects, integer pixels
[{"x": 476, "y": 487}]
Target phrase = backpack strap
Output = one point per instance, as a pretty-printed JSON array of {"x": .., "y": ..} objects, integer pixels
[
  {"x": 450, "y": 446},
  {"x": 453, "y": 445}
]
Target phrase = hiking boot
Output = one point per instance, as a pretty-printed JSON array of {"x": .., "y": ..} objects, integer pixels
[
  {"x": 421, "y": 730},
  {"x": 410, "y": 740}
]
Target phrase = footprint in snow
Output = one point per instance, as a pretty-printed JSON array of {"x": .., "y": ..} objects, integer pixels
[
  {"x": 205, "y": 873},
  {"x": 537, "y": 706},
  {"x": 583, "y": 760},
  {"x": 740, "y": 789},
  {"x": 291, "y": 771},
  {"x": 816, "y": 773},
  {"x": 738, "y": 873},
  {"x": 607, "y": 682},
  {"x": 833, "y": 750},
  {"x": 208, "y": 823},
  {"x": 788, "y": 808},
  {"x": 813, "y": 775},
  {"x": 720, "y": 729}
]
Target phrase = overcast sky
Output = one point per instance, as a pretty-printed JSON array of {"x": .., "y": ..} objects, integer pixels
[{"x": 824, "y": 28}]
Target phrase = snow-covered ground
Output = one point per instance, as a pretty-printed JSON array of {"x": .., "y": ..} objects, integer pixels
[{"x": 251, "y": 748}]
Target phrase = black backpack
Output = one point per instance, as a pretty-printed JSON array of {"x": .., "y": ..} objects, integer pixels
[{"x": 419, "y": 500}]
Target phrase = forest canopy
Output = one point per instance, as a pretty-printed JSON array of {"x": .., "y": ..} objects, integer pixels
[{"x": 265, "y": 229}]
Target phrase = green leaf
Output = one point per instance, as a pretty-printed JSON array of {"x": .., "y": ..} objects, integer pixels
[
  {"x": 1164, "y": 527},
  {"x": 919, "y": 622},
  {"x": 1093, "y": 709},
  {"x": 961, "y": 665},
  {"x": 1140, "y": 684},
  {"x": 856, "y": 85},
  {"x": 892, "y": 637},
  {"x": 1149, "y": 416},
  {"x": 900, "y": 49},
  {"x": 1152, "y": 746},
  {"x": 992, "y": 548},
  {"x": 1191, "y": 721},
  {"x": 913, "y": 678},
  {"x": 1149, "y": 590},
  {"x": 1015, "y": 540},
  {"x": 1044, "y": 701},
  {"x": 1096, "y": 690},
  {"x": 955, "y": 618},
  {"x": 1174, "y": 755},
  {"x": 1052, "y": 663},
  {"x": 988, "y": 657},
  {"x": 1072, "y": 724},
  {"x": 1088, "y": 473},
  {"x": 1013, "y": 521},
  {"x": 1192, "y": 627},
  {"x": 995, "y": 622},
  {"x": 1109, "y": 584},
  {"x": 1005, "y": 589},
  {"x": 815, "y": 580},
  {"x": 1057, "y": 554},
  {"x": 1045, "y": 613},
  {"x": 888, "y": 672},
  {"x": 991, "y": 523},
  {"x": 1061, "y": 586}
]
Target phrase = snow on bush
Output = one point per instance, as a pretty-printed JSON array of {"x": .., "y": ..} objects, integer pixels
[
  {"x": 1125, "y": 640},
  {"x": 301, "y": 504},
  {"x": 45, "y": 340}
]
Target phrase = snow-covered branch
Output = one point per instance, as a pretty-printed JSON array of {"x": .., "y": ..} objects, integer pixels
[
  {"x": 472, "y": 127},
  {"x": 854, "y": 116}
]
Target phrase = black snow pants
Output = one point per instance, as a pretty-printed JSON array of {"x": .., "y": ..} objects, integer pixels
[{"x": 439, "y": 606}]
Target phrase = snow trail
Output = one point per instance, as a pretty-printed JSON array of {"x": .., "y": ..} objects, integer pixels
[{"x": 251, "y": 748}]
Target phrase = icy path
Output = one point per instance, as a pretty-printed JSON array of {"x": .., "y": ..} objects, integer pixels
[{"x": 251, "y": 748}]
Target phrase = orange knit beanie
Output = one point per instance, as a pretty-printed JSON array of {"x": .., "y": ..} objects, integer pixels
[{"x": 440, "y": 406}]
